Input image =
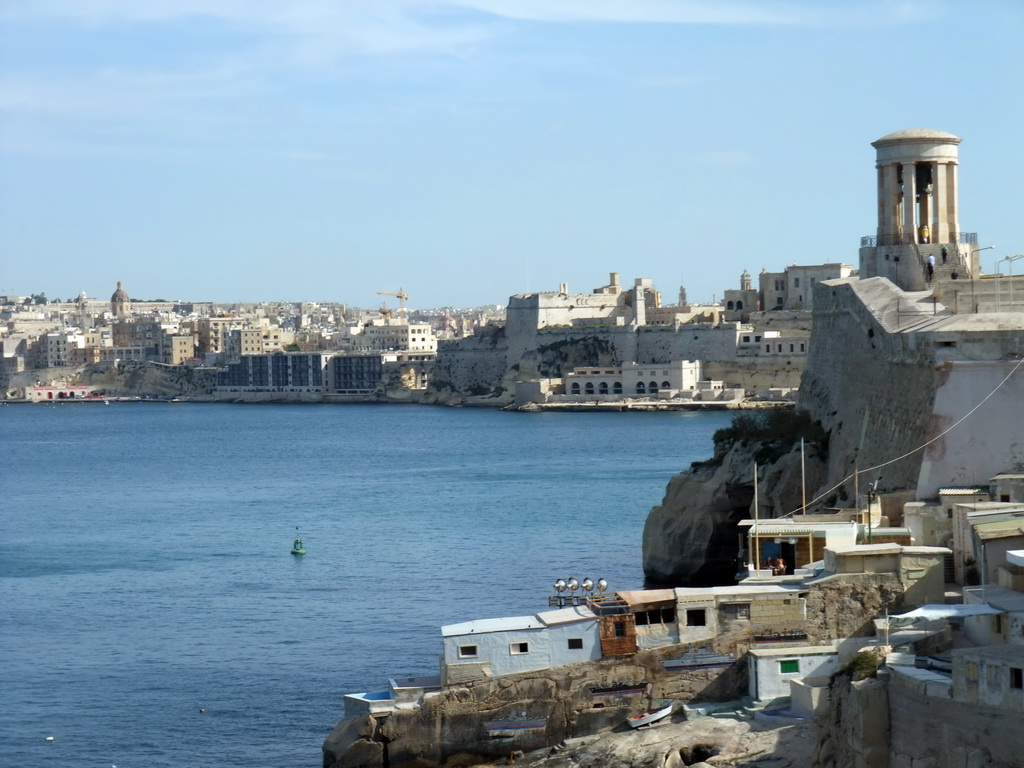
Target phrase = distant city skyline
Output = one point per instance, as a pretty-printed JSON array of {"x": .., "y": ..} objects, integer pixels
[{"x": 469, "y": 150}]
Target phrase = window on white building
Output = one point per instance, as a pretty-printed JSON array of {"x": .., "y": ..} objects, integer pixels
[
  {"x": 518, "y": 649},
  {"x": 467, "y": 652},
  {"x": 575, "y": 643}
]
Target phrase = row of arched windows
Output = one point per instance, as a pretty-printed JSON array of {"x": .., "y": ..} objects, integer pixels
[{"x": 616, "y": 388}]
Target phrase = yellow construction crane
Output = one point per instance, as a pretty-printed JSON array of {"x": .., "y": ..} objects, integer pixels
[{"x": 401, "y": 295}]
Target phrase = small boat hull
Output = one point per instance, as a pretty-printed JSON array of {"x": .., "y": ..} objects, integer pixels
[{"x": 660, "y": 712}]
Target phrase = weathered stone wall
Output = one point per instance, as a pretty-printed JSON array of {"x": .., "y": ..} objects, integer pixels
[
  {"x": 472, "y": 366},
  {"x": 448, "y": 727},
  {"x": 664, "y": 343},
  {"x": 945, "y": 733},
  {"x": 855, "y": 733},
  {"x": 757, "y": 374},
  {"x": 846, "y": 605},
  {"x": 872, "y": 392},
  {"x": 889, "y": 722}
]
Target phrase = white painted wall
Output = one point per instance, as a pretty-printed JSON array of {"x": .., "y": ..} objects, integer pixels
[
  {"x": 990, "y": 442},
  {"x": 768, "y": 682},
  {"x": 547, "y": 647}
]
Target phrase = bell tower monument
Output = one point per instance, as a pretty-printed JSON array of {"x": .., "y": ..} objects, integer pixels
[{"x": 918, "y": 211}]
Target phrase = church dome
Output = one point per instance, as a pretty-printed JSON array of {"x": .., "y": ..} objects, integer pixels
[{"x": 120, "y": 294}]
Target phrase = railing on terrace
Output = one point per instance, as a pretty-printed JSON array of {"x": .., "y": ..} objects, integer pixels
[{"x": 872, "y": 241}]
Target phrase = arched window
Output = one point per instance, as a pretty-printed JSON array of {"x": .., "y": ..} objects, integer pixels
[
  {"x": 602, "y": 388},
  {"x": 728, "y": 305},
  {"x": 589, "y": 388},
  {"x": 739, "y": 305},
  {"x": 617, "y": 388},
  {"x": 666, "y": 385},
  {"x": 640, "y": 388},
  {"x": 653, "y": 387},
  {"x": 575, "y": 388}
]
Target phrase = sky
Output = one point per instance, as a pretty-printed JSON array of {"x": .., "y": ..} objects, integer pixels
[{"x": 467, "y": 150}]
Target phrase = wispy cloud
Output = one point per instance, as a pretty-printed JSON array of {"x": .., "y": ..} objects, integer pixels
[{"x": 382, "y": 26}]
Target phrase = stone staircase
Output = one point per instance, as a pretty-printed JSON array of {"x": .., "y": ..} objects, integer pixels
[{"x": 942, "y": 271}]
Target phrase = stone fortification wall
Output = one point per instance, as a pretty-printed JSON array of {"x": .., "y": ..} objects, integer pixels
[
  {"x": 873, "y": 390},
  {"x": 559, "y": 350},
  {"x": 529, "y": 312},
  {"x": 472, "y": 366},
  {"x": 756, "y": 374},
  {"x": 782, "y": 320},
  {"x": 885, "y": 375},
  {"x": 664, "y": 343},
  {"x": 533, "y": 346}
]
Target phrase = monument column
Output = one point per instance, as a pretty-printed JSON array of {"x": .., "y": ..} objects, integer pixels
[
  {"x": 888, "y": 201},
  {"x": 909, "y": 204},
  {"x": 940, "y": 230}
]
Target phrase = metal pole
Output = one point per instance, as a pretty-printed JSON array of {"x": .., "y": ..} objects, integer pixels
[
  {"x": 1010, "y": 260},
  {"x": 803, "y": 480},
  {"x": 757, "y": 536},
  {"x": 998, "y": 274}
]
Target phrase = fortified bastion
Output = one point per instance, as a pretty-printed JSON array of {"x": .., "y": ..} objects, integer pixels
[{"x": 915, "y": 378}]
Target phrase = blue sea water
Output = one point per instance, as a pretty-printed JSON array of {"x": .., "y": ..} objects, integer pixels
[{"x": 145, "y": 571}]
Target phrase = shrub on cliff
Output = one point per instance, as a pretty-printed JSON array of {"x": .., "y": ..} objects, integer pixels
[
  {"x": 862, "y": 666},
  {"x": 778, "y": 426}
]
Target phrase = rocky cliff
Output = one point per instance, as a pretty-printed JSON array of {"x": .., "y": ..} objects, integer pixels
[
  {"x": 120, "y": 379},
  {"x": 692, "y": 537}
]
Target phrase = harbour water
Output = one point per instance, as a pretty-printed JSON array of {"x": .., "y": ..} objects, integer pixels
[{"x": 153, "y": 616}]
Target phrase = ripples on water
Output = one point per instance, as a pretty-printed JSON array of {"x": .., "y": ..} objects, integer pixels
[{"x": 145, "y": 574}]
